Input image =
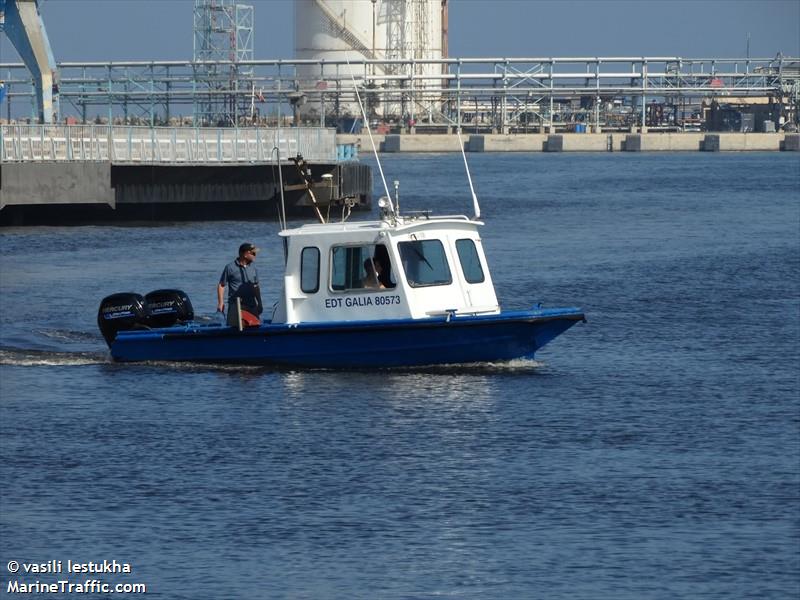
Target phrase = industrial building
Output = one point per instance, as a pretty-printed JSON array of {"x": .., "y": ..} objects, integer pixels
[{"x": 395, "y": 52}]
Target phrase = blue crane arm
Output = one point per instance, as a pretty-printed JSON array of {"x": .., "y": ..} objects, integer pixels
[{"x": 22, "y": 23}]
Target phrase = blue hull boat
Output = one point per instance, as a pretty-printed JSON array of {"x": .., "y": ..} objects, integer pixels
[
  {"x": 354, "y": 344},
  {"x": 402, "y": 291}
]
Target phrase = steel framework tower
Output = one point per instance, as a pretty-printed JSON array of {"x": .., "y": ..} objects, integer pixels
[
  {"x": 223, "y": 38},
  {"x": 406, "y": 29},
  {"x": 408, "y": 37}
]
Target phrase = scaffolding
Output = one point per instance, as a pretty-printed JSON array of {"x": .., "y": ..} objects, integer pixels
[
  {"x": 223, "y": 44},
  {"x": 408, "y": 48}
]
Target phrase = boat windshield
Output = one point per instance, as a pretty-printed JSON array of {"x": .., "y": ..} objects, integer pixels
[{"x": 425, "y": 263}]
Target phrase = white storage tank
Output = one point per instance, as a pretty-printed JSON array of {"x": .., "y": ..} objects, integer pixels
[
  {"x": 330, "y": 29},
  {"x": 335, "y": 30}
]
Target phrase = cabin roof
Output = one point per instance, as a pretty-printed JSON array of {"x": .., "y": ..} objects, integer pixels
[{"x": 402, "y": 224}]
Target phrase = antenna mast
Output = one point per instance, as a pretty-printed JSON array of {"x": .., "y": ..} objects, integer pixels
[
  {"x": 475, "y": 206},
  {"x": 369, "y": 131}
]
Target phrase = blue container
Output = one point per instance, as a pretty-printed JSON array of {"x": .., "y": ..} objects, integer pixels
[{"x": 346, "y": 152}]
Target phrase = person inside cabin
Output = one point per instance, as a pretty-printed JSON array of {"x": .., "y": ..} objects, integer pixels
[
  {"x": 371, "y": 280},
  {"x": 385, "y": 270},
  {"x": 241, "y": 279}
]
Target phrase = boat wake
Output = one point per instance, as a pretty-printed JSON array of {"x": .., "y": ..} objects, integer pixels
[
  {"x": 68, "y": 335},
  {"x": 21, "y": 357},
  {"x": 46, "y": 358},
  {"x": 515, "y": 366}
]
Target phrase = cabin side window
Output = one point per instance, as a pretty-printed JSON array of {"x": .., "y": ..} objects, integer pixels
[
  {"x": 470, "y": 262},
  {"x": 424, "y": 263},
  {"x": 309, "y": 270},
  {"x": 360, "y": 268}
]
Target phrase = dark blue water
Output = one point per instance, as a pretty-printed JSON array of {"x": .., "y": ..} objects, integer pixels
[{"x": 653, "y": 452}]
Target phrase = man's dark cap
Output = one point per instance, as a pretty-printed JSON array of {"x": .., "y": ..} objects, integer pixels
[{"x": 247, "y": 247}]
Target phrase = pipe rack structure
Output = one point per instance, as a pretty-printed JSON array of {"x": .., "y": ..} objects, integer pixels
[{"x": 500, "y": 93}]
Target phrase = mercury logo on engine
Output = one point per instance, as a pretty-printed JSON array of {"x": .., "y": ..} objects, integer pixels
[
  {"x": 109, "y": 309},
  {"x": 157, "y": 305},
  {"x": 162, "y": 307}
]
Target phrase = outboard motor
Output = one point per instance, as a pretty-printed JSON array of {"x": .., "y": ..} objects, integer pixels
[
  {"x": 120, "y": 312},
  {"x": 168, "y": 307}
]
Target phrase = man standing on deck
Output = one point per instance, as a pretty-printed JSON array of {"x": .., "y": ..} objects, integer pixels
[{"x": 241, "y": 277}]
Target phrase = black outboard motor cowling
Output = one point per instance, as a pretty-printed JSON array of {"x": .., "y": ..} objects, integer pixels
[
  {"x": 120, "y": 312},
  {"x": 168, "y": 307}
]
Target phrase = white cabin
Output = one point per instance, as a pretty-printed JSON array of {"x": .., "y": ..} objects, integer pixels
[{"x": 423, "y": 267}]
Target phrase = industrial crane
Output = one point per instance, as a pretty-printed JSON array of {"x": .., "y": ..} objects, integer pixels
[{"x": 22, "y": 23}]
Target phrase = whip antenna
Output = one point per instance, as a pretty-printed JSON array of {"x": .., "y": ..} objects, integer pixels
[
  {"x": 282, "y": 213},
  {"x": 475, "y": 205},
  {"x": 369, "y": 131},
  {"x": 277, "y": 148}
]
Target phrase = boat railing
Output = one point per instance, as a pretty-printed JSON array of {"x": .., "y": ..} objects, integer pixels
[
  {"x": 163, "y": 145},
  {"x": 415, "y": 217},
  {"x": 466, "y": 311}
]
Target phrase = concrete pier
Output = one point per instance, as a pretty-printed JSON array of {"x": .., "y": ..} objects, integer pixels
[
  {"x": 62, "y": 173},
  {"x": 759, "y": 142},
  {"x": 664, "y": 142},
  {"x": 506, "y": 143},
  {"x": 89, "y": 191},
  {"x": 56, "y": 184},
  {"x": 584, "y": 142},
  {"x": 579, "y": 142},
  {"x": 419, "y": 143}
]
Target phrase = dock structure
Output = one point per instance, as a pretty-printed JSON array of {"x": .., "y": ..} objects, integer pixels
[
  {"x": 61, "y": 173},
  {"x": 580, "y": 142},
  {"x": 480, "y": 95}
]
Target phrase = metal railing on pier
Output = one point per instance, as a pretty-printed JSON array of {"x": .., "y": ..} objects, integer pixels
[{"x": 163, "y": 145}]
